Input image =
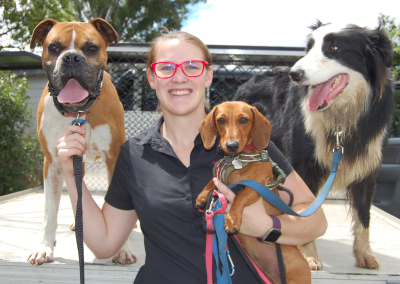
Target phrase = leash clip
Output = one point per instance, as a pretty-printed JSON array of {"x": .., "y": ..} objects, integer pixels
[
  {"x": 211, "y": 207},
  {"x": 338, "y": 147},
  {"x": 231, "y": 262},
  {"x": 78, "y": 121}
]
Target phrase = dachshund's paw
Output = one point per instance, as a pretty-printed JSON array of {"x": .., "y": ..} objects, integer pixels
[
  {"x": 230, "y": 225},
  {"x": 201, "y": 199}
]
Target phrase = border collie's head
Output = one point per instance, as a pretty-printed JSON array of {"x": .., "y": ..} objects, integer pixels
[{"x": 341, "y": 59}]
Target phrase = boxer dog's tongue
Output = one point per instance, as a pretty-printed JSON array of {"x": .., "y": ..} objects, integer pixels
[
  {"x": 72, "y": 92},
  {"x": 326, "y": 91}
]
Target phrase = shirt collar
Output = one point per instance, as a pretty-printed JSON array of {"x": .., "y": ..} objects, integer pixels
[{"x": 153, "y": 134}]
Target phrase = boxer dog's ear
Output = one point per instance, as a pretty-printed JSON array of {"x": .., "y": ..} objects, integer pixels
[
  {"x": 41, "y": 31},
  {"x": 105, "y": 29}
]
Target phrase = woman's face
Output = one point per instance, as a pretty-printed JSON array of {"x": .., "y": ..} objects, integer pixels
[{"x": 180, "y": 95}]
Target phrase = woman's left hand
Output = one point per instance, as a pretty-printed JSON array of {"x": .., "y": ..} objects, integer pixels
[{"x": 255, "y": 220}]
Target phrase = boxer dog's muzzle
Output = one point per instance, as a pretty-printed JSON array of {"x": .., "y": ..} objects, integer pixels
[
  {"x": 72, "y": 107},
  {"x": 74, "y": 83}
]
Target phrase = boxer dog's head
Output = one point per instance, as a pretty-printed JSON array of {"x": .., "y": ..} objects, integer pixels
[{"x": 74, "y": 58}]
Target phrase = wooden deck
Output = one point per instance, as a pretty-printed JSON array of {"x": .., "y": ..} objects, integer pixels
[{"x": 21, "y": 218}]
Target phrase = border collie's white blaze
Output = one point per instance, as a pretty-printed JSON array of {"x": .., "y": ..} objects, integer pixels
[{"x": 340, "y": 85}]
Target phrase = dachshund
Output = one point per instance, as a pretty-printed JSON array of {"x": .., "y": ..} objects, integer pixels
[{"x": 243, "y": 129}]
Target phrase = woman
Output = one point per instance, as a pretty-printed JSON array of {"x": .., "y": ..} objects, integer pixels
[{"x": 160, "y": 172}]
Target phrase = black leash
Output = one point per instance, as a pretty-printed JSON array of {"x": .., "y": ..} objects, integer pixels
[{"x": 77, "y": 162}]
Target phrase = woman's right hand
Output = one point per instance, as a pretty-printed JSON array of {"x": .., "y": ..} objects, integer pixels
[{"x": 72, "y": 143}]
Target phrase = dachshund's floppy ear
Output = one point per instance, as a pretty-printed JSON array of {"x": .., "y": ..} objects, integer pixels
[
  {"x": 261, "y": 130},
  {"x": 208, "y": 131}
]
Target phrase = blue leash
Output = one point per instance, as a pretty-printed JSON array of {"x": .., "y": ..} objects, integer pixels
[
  {"x": 219, "y": 248},
  {"x": 275, "y": 201}
]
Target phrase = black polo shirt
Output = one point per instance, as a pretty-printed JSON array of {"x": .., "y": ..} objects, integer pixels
[{"x": 150, "y": 178}]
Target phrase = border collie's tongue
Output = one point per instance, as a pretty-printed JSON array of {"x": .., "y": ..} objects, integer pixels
[
  {"x": 323, "y": 93},
  {"x": 72, "y": 92}
]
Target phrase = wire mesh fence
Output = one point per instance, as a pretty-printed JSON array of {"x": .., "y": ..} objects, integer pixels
[{"x": 232, "y": 66}]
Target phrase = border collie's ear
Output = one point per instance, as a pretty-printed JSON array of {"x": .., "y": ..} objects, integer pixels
[
  {"x": 261, "y": 131},
  {"x": 317, "y": 25},
  {"x": 384, "y": 45},
  {"x": 207, "y": 129},
  {"x": 382, "y": 52}
]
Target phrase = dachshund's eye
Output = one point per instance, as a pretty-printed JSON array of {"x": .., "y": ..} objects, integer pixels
[
  {"x": 243, "y": 120},
  {"x": 221, "y": 121},
  {"x": 333, "y": 48}
]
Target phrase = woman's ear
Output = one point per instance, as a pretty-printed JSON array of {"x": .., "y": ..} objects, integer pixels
[
  {"x": 209, "y": 76},
  {"x": 151, "y": 78},
  {"x": 208, "y": 131}
]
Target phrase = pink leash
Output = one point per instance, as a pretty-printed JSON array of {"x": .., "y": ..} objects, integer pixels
[
  {"x": 263, "y": 277},
  {"x": 209, "y": 240}
]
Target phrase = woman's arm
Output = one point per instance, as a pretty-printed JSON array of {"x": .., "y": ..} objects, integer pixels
[
  {"x": 106, "y": 229},
  {"x": 295, "y": 230}
]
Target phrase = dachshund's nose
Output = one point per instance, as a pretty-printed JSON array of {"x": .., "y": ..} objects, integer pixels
[{"x": 232, "y": 146}]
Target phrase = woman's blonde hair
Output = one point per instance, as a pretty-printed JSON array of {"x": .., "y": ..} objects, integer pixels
[{"x": 184, "y": 37}]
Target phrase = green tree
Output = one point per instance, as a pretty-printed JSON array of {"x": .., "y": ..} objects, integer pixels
[
  {"x": 394, "y": 32},
  {"x": 19, "y": 18},
  {"x": 136, "y": 20},
  {"x": 21, "y": 158}
]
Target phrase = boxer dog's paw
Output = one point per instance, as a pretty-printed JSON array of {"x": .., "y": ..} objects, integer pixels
[
  {"x": 124, "y": 256},
  {"x": 42, "y": 255}
]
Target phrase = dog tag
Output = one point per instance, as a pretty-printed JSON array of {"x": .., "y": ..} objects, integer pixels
[{"x": 237, "y": 164}]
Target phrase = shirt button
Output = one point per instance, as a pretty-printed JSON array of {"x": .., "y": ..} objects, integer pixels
[
  {"x": 194, "y": 226},
  {"x": 187, "y": 197},
  {"x": 185, "y": 171},
  {"x": 196, "y": 150}
]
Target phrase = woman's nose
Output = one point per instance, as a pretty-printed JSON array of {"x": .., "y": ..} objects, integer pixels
[{"x": 179, "y": 75}]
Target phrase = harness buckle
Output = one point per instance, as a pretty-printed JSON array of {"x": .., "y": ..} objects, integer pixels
[{"x": 264, "y": 156}]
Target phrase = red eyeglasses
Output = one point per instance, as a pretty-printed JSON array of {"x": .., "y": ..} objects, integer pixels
[{"x": 191, "y": 68}]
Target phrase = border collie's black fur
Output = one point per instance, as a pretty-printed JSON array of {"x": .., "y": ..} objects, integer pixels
[{"x": 341, "y": 84}]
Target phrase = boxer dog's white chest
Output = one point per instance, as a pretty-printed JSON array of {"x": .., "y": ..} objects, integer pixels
[{"x": 53, "y": 126}]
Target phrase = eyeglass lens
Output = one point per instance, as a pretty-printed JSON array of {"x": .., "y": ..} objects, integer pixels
[{"x": 190, "y": 68}]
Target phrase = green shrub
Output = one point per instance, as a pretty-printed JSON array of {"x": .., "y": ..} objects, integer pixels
[{"x": 21, "y": 158}]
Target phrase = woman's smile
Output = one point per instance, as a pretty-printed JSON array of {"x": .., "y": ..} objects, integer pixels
[{"x": 180, "y": 92}]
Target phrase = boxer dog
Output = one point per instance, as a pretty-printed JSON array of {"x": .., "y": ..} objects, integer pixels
[{"x": 74, "y": 59}]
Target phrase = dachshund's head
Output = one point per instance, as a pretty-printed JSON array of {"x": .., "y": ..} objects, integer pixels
[{"x": 237, "y": 124}]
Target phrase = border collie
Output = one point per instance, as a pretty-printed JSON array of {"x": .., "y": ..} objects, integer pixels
[{"x": 342, "y": 84}]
